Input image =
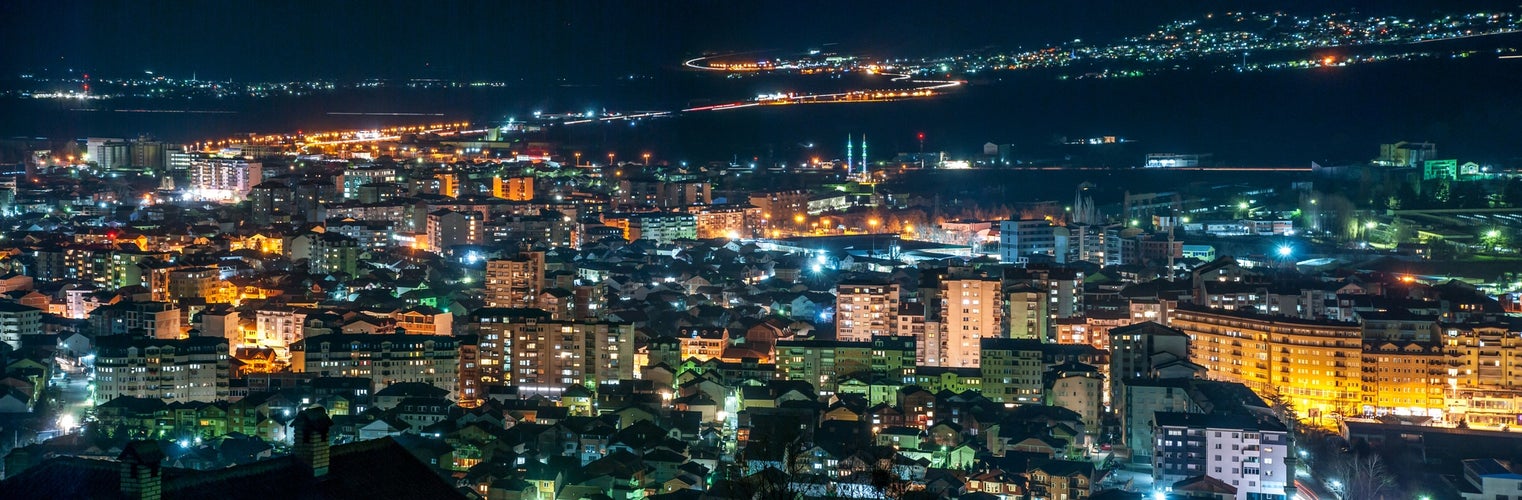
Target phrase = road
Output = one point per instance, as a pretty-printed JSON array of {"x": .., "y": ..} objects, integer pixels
[{"x": 76, "y": 399}]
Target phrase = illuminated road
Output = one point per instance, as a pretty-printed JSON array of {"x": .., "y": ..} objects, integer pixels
[{"x": 916, "y": 89}]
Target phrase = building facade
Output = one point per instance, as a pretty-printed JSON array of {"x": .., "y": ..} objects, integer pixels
[{"x": 174, "y": 370}]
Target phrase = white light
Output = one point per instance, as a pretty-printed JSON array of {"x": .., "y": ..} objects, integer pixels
[
  {"x": 1285, "y": 251},
  {"x": 66, "y": 422}
]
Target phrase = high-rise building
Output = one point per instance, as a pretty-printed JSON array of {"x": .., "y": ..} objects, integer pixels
[
  {"x": 334, "y": 253},
  {"x": 527, "y": 349},
  {"x": 148, "y": 153},
  {"x": 109, "y": 153},
  {"x": 1063, "y": 287},
  {"x": 515, "y": 282},
  {"x": 1029, "y": 315},
  {"x": 971, "y": 309},
  {"x": 174, "y": 370},
  {"x": 1025, "y": 237},
  {"x": 447, "y": 228},
  {"x": 269, "y": 202},
  {"x": 864, "y": 310},
  {"x": 224, "y": 179}
]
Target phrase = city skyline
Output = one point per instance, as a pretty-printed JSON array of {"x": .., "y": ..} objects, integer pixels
[{"x": 1172, "y": 250}]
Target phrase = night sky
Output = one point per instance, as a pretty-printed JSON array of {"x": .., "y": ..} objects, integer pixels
[{"x": 295, "y": 39}]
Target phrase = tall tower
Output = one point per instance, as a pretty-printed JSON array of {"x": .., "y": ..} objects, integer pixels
[
  {"x": 850, "y": 150},
  {"x": 864, "y": 162}
]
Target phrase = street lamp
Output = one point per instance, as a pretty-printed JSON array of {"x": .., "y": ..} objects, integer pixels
[
  {"x": 610, "y": 158},
  {"x": 578, "y": 158},
  {"x": 647, "y": 159},
  {"x": 1285, "y": 251}
]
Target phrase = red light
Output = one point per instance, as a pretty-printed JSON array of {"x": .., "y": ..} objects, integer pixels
[{"x": 922, "y": 136}]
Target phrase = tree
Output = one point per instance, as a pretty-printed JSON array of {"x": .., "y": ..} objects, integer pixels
[
  {"x": 1364, "y": 476},
  {"x": 1284, "y": 409}
]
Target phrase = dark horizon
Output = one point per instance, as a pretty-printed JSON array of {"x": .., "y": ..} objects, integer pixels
[{"x": 292, "y": 40}]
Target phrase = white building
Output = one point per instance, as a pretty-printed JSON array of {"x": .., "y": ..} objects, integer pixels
[
  {"x": 192, "y": 369},
  {"x": 1019, "y": 238},
  {"x": 17, "y": 320},
  {"x": 1244, "y": 451},
  {"x": 224, "y": 179}
]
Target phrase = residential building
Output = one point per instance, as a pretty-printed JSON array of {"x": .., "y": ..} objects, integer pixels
[
  {"x": 16, "y": 321},
  {"x": 1313, "y": 364},
  {"x": 513, "y": 188},
  {"x": 1247, "y": 452},
  {"x": 971, "y": 309},
  {"x": 1029, "y": 315},
  {"x": 865, "y": 309},
  {"x": 384, "y": 359},
  {"x": 1022, "y": 238},
  {"x": 224, "y": 179},
  {"x": 173, "y": 370},
  {"x": 515, "y": 282},
  {"x": 447, "y": 228},
  {"x": 663, "y": 228},
  {"x": 334, "y": 253},
  {"x": 525, "y": 348},
  {"x": 1012, "y": 370}
]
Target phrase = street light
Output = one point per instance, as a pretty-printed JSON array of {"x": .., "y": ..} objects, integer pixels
[
  {"x": 1285, "y": 251},
  {"x": 578, "y": 158},
  {"x": 647, "y": 159}
]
